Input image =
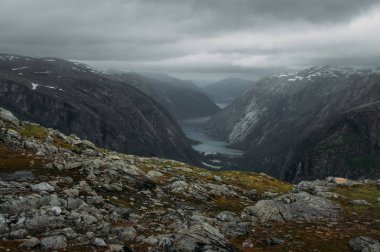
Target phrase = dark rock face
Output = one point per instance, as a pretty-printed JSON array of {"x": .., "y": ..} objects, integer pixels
[
  {"x": 349, "y": 146},
  {"x": 75, "y": 98},
  {"x": 280, "y": 112},
  {"x": 181, "y": 98}
]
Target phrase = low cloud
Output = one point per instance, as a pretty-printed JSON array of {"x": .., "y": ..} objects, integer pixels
[{"x": 213, "y": 38}]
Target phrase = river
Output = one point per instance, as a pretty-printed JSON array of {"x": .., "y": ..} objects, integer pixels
[{"x": 209, "y": 144}]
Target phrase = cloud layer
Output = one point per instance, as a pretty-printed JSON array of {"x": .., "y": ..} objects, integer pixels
[{"x": 212, "y": 38}]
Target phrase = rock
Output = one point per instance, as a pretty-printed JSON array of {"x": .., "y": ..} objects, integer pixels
[
  {"x": 293, "y": 207},
  {"x": 154, "y": 174},
  {"x": 128, "y": 234},
  {"x": 3, "y": 224},
  {"x": 235, "y": 229},
  {"x": 151, "y": 241},
  {"x": 13, "y": 134},
  {"x": 18, "y": 234},
  {"x": 200, "y": 237},
  {"x": 364, "y": 244},
  {"x": 247, "y": 244},
  {"x": 360, "y": 202},
  {"x": 54, "y": 242},
  {"x": 217, "y": 178},
  {"x": 378, "y": 200},
  {"x": 30, "y": 243},
  {"x": 44, "y": 186},
  {"x": 56, "y": 210},
  {"x": 270, "y": 195},
  {"x": 99, "y": 242},
  {"x": 71, "y": 192},
  {"x": 274, "y": 241},
  {"x": 73, "y": 165},
  {"x": 226, "y": 216},
  {"x": 8, "y": 117}
]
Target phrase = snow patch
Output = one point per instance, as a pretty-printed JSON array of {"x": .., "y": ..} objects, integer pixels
[
  {"x": 34, "y": 86},
  {"x": 20, "y": 68},
  {"x": 45, "y": 72}
]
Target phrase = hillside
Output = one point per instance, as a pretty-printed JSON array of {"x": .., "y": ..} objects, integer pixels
[
  {"x": 279, "y": 112},
  {"x": 62, "y": 193},
  {"x": 78, "y": 99},
  {"x": 181, "y": 98}
]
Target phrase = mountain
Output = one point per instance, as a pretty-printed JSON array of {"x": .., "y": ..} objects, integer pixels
[
  {"x": 350, "y": 145},
  {"x": 76, "y": 98},
  {"x": 280, "y": 111},
  {"x": 225, "y": 91},
  {"x": 62, "y": 193},
  {"x": 183, "y": 99}
]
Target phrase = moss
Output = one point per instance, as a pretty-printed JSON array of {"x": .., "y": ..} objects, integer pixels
[
  {"x": 61, "y": 143},
  {"x": 251, "y": 180},
  {"x": 12, "y": 160},
  {"x": 33, "y": 131}
]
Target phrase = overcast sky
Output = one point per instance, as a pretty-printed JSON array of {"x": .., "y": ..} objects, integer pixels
[{"x": 195, "y": 39}]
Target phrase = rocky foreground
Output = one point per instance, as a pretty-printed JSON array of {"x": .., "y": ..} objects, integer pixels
[{"x": 59, "y": 192}]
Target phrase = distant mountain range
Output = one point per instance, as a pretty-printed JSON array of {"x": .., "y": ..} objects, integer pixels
[
  {"x": 318, "y": 122},
  {"x": 76, "y": 98},
  {"x": 225, "y": 91},
  {"x": 183, "y": 99}
]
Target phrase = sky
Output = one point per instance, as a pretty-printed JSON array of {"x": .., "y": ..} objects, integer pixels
[{"x": 203, "y": 40}]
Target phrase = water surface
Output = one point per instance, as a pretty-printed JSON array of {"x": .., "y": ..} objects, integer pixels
[{"x": 209, "y": 144}]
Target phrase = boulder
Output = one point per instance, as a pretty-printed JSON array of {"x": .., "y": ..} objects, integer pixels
[
  {"x": 53, "y": 242},
  {"x": 293, "y": 207},
  {"x": 200, "y": 237},
  {"x": 44, "y": 186},
  {"x": 7, "y": 116},
  {"x": 364, "y": 244},
  {"x": 359, "y": 202}
]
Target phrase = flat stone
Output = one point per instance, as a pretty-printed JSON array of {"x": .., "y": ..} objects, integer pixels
[
  {"x": 54, "y": 242},
  {"x": 44, "y": 186},
  {"x": 30, "y": 243},
  {"x": 364, "y": 244}
]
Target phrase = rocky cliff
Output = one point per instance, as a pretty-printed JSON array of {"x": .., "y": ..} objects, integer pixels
[
  {"x": 279, "y": 112},
  {"x": 349, "y": 145},
  {"x": 78, "y": 99}
]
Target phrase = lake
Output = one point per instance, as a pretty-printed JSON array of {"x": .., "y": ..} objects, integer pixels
[{"x": 209, "y": 144}]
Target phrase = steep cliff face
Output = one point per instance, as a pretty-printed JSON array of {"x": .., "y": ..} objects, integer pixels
[
  {"x": 278, "y": 112},
  {"x": 348, "y": 146},
  {"x": 181, "y": 98},
  {"x": 75, "y": 98}
]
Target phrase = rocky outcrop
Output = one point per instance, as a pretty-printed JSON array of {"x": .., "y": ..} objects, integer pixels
[
  {"x": 294, "y": 207},
  {"x": 77, "y": 99},
  {"x": 60, "y": 192}
]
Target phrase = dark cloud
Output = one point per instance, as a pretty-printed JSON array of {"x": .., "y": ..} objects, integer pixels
[{"x": 194, "y": 36}]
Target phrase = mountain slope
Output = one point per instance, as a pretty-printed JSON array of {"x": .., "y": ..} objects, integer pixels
[
  {"x": 225, "y": 91},
  {"x": 280, "y": 111},
  {"x": 181, "y": 98},
  {"x": 75, "y": 98},
  {"x": 349, "y": 146},
  {"x": 61, "y": 193}
]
